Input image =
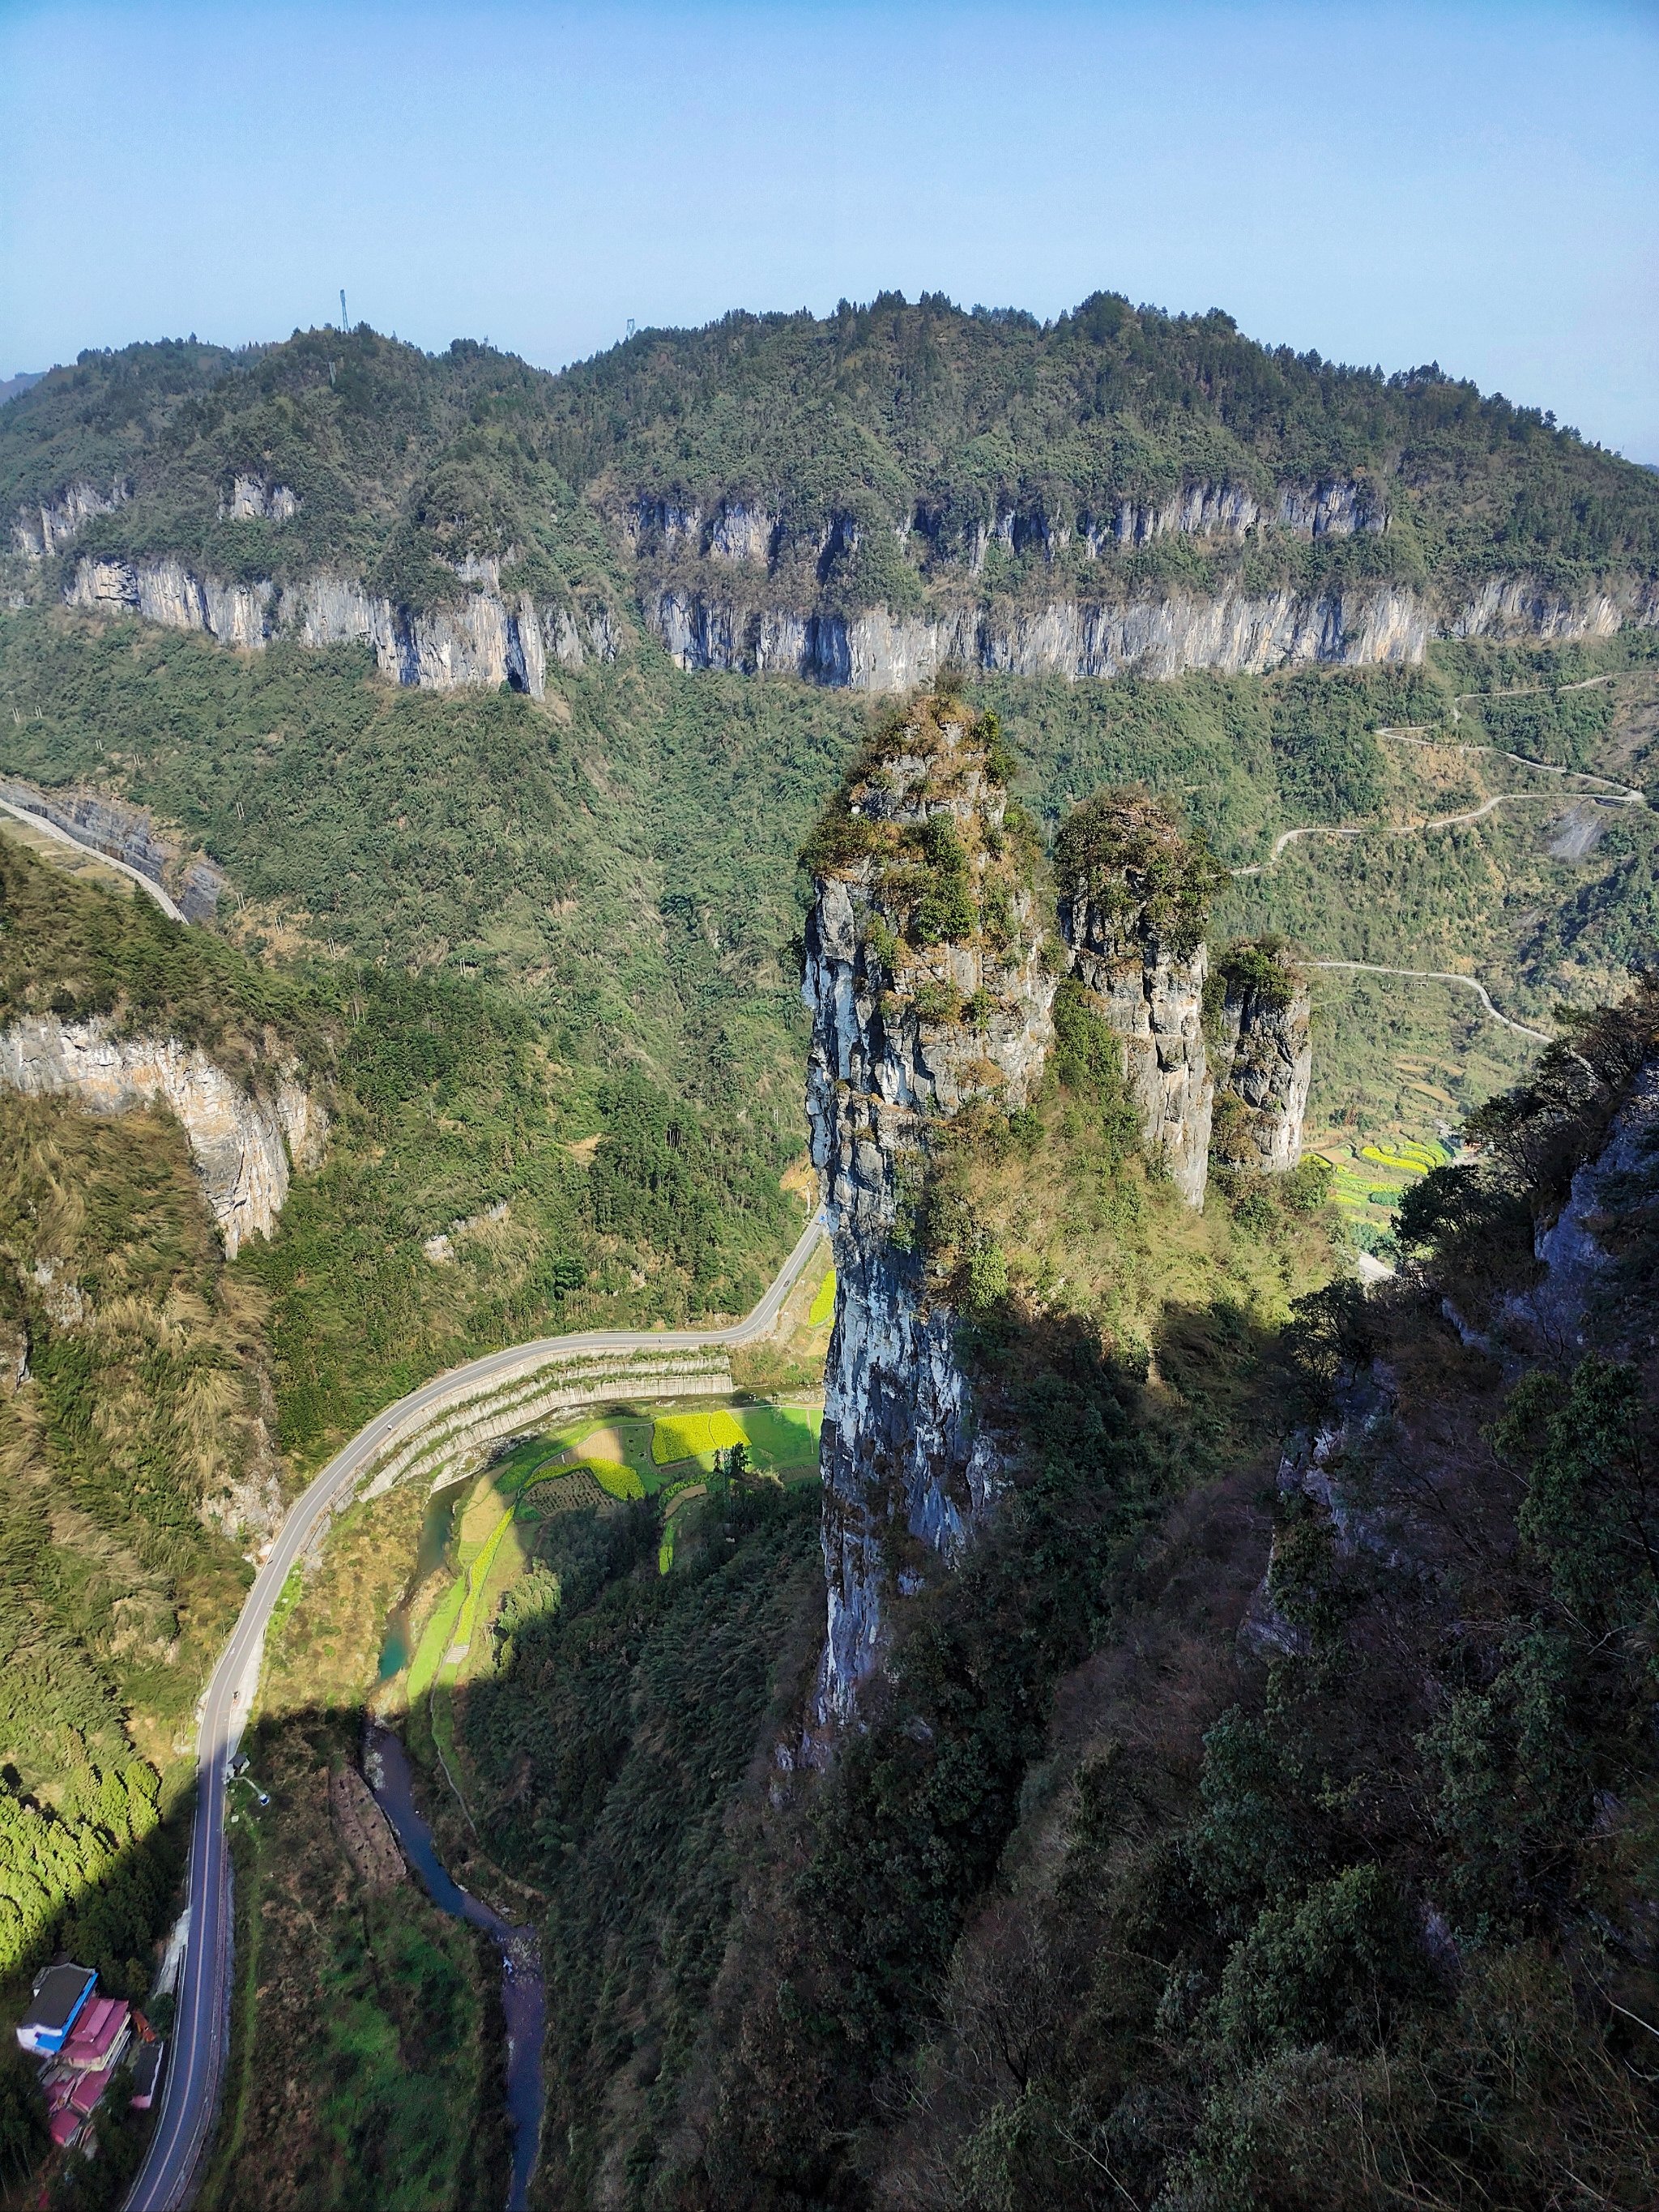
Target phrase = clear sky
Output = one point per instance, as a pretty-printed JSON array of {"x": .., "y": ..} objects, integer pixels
[{"x": 1388, "y": 183}]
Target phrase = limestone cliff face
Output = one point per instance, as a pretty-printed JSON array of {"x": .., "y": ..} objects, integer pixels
[
  {"x": 877, "y": 651},
  {"x": 1549, "y": 1317},
  {"x": 242, "y": 1141},
  {"x": 904, "y": 1036},
  {"x": 252, "y": 499},
  {"x": 766, "y": 619},
  {"x": 489, "y": 636},
  {"x": 1267, "y": 1055},
  {"x": 1234, "y": 633},
  {"x": 47, "y": 525},
  {"x": 1133, "y": 895},
  {"x": 1522, "y": 607},
  {"x": 729, "y": 587}
]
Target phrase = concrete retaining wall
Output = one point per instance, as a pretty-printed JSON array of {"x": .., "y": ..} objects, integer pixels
[{"x": 439, "y": 1439}]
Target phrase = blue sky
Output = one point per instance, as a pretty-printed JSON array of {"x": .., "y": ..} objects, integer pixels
[{"x": 1478, "y": 184}]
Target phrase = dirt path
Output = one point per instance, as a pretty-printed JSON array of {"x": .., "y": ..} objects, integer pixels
[
  {"x": 1609, "y": 793},
  {"x": 1441, "y": 976}
]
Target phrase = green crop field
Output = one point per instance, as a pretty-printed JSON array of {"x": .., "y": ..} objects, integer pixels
[
  {"x": 776, "y": 1437},
  {"x": 694, "y": 1436},
  {"x": 783, "y": 1435}
]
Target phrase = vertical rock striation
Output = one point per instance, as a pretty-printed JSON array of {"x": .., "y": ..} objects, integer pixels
[
  {"x": 489, "y": 636},
  {"x": 1133, "y": 896},
  {"x": 931, "y": 980},
  {"x": 1266, "y": 1055},
  {"x": 928, "y": 990},
  {"x": 241, "y": 1141}
]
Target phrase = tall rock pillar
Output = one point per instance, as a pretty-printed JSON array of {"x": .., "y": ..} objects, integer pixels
[
  {"x": 1266, "y": 1055},
  {"x": 1133, "y": 897},
  {"x": 928, "y": 992}
]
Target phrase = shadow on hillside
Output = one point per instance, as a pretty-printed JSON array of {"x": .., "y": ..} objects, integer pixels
[{"x": 377, "y": 2020}]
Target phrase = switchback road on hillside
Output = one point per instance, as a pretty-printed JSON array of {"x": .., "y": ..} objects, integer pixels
[
  {"x": 202, "y": 2022},
  {"x": 1610, "y": 793},
  {"x": 1440, "y": 976}
]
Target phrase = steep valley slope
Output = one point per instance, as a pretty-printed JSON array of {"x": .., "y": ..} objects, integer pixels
[
  {"x": 1237, "y": 1786},
  {"x": 1205, "y": 1717},
  {"x": 239, "y": 1210}
]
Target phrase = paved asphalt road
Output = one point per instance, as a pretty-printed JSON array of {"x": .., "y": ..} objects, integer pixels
[
  {"x": 202, "y": 2024},
  {"x": 145, "y": 884}
]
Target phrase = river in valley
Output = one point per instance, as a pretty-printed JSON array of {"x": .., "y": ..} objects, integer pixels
[
  {"x": 399, "y": 1646},
  {"x": 524, "y": 2000}
]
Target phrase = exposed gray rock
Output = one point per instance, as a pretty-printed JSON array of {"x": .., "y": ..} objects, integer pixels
[
  {"x": 251, "y": 499},
  {"x": 903, "y": 1456},
  {"x": 1267, "y": 1060},
  {"x": 241, "y": 1141},
  {"x": 47, "y": 526},
  {"x": 1574, "y": 1260},
  {"x": 491, "y": 636},
  {"x": 742, "y": 532},
  {"x": 1522, "y": 607},
  {"x": 126, "y": 833},
  {"x": 879, "y": 651},
  {"x": 488, "y": 637},
  {"x": 1148, "y": 984}
]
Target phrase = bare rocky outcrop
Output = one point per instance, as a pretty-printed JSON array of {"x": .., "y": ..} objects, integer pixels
[
  {"x": 919, "y": 1010},
  {"x": 127, "y": 834},
  {"x": 242, "y": 1140},
  {"x": 1264, "y": 1060},
  {"x": 1551, "y": 1316},
  {"x": 252, "y": 499},
  {"x": 490, "y": 636},
  {"x": 931, "y": 979},
  {"x": 729, "y": 586},
  {"x": 1234, "y": 632},
  {"x": 1334, "y": 508},
  {"x": 1134, "y": 894},
  {"x": 1520, "y": 607},
  {"x": 45, "y": 526}
]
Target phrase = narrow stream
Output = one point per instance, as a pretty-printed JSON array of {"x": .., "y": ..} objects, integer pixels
[
  {"x": 523, "y": 1999},
  {"x": 398, "y": 1647}
]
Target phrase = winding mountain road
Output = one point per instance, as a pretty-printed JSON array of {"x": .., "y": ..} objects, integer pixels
[
  {"x": 48, "y": 828},
  {"x": 202, "y": 2023},
  {"x": 1609, "y": 795},
  {"x": 1440, "y": 976}
]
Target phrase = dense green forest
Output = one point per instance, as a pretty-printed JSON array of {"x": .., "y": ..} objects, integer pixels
[
  {"x": 144, "y": 1379},
  {"x": 893, "y": 415},
  {"x": 1205, "y": 1843}
]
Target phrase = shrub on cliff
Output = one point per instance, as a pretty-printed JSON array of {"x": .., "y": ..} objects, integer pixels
[{"x": 1123, "y": 851}]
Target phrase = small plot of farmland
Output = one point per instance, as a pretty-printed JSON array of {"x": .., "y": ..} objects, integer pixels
[
  {"x": 503, "y": 1518},
  {"x": 778, "y": 1438},
  {"x": 1371, "y": 1177}
]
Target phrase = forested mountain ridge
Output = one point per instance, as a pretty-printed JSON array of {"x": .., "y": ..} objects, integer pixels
[
  {"x": 853, "y": 498},
  {"x": 523, "y": 919}
]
